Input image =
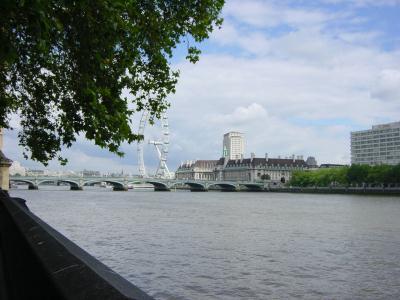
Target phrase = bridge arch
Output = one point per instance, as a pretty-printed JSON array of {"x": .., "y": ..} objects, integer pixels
[
  {"x": 71, "y": 183},
  {"x": 47, "y": 180},
  {"x": 23, "y": 181},
  {"x": 31, "y": 184},
  {"x": 196, "y": 186},
  {"x": 117, "y": 185},
  {"x": 159, "y": 186},
  {"x": 253, "y": 187},
  {"x": 136, "y": 182},
  {"x": 224, "y": 186}
]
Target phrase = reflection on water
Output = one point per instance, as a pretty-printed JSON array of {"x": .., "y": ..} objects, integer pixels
[{"x": 182, "y": 245}]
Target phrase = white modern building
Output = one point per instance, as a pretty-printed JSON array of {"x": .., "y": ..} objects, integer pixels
[
  {"x": 233, "y": 145},
  {"x": 379, "y": 145}
]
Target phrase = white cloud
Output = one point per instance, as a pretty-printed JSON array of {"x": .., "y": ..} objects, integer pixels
[
  {"x": 240, "y": 115},
  {"x": 361, "y": 3},
  {"x": 314, "y": 86},
  {"x": 387, "y": 87},
  {"x": 360, "y": 37},
  {"x": 297, "y": 92},
  {"x": 83, "y": 155},
  {"x": 268, "y": 14}
]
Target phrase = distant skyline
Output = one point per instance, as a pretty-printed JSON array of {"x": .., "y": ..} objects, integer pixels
[{"x": 296, "y": 77}]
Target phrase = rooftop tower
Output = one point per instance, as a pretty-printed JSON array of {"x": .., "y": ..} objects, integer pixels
[{"x": 233, "y": 145}]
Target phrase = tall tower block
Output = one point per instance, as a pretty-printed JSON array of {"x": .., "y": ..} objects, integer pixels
[{"x": 233, "y": 145}]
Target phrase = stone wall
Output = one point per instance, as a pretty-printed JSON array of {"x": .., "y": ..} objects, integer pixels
[{"x": 37, "y": 262}]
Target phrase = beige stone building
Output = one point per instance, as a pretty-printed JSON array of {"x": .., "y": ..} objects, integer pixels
[
  {"x": 197, "y": 170},
  {"x": 262, "y": 169},
  {"x": 5, "y": 164},
  {"x": 275, "y": 170}
]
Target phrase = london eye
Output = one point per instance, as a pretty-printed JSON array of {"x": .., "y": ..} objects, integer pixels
[{"x": 160, "y": 143}]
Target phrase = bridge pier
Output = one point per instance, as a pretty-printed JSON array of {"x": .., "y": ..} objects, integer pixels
[
  {"x": 228, "y": 190},
  {"x": 251, "y": 188},
  {"x": 76, "y": 188},
  {"x": 118, "y": 188},
  {"x": 33, "y": 187},
  {"x": 197, "y": 187},
  {"x": 227, "y": 187},
  {"x": 161, "y": 189},
  {"x": 160, "y": 186}
]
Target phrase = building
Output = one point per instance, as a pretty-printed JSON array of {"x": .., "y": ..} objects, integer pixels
[
  {"x": 379, "y": 145},
  {"x": 276, "y": 170},
  {"x": 90, "y": 173},
  {"x": 197, "y": 170},
  {"x": 255, "y": 169},
  {"x": 311, "y": 162},
  {"x": 233, "y": 145},
  {"x": 5, "y": 164},
  {"x": 232, "y": 166},
  {"x": 331, "y": 166},
  {"x": 35, "y": 172}
]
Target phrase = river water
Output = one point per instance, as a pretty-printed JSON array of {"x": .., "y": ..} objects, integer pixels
[{"x": 215, "y": 245}]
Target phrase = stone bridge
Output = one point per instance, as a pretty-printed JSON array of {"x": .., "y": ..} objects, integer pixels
[{"x": 122, "y": 183}]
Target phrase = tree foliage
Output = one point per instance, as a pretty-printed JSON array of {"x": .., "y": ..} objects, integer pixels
[
  {"x": 355, "y": 174},
  {"x": 64, "y": 66},
  {"x": 265, "y": 177}
]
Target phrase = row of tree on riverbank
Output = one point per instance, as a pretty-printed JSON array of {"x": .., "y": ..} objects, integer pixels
[{"x": 345, "y": 176}]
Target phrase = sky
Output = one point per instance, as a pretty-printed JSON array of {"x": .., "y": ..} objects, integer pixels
[{"x": 296, "y": 77}]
